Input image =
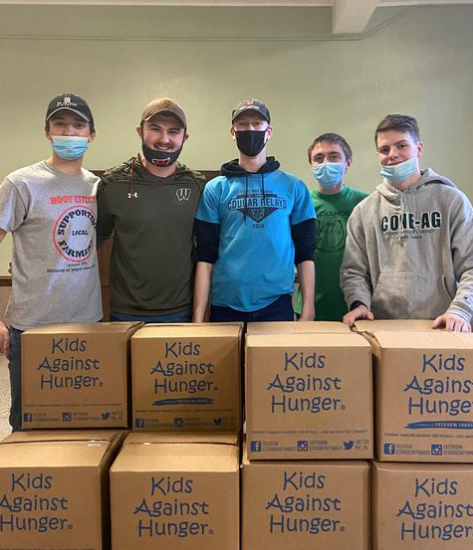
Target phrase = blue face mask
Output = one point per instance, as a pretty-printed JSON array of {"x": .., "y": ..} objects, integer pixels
[
  {"x": 70, "y": 147},
  {"x": 329, "y": 174},
  {"x": 399, "y": 173}
]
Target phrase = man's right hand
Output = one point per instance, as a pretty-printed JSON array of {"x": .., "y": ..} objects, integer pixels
[
  {"x": 360, "y": 312},
  {"x": 4, "y": 340}
]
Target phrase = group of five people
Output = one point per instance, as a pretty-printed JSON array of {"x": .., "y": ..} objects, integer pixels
[{"x": 180, "y": 245}]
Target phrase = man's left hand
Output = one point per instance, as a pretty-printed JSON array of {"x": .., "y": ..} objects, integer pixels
[{"x": 452, "y": 322}]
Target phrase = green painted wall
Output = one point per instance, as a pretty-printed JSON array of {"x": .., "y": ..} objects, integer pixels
[{"x": 417, "y": 61}]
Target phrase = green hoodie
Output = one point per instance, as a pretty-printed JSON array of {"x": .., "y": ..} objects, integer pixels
[{"x": 151, "y": 218}]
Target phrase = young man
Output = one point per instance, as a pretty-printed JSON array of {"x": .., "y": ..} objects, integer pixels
[
  {"x": 50, "y": 209},
  {"x": 253, "y": 224},
  {"x": 409, "y": 252},
  {"x": 149, "y": 203},
  {"x": 330, "y": 156}
]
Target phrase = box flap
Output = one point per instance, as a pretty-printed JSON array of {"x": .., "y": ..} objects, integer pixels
[
  {"x": 306, "y": 340},
  {"x": 420, "y": 467},
  {"x": 170, "y": 457},
  {"x": 53, "y": 454},
  {"x": 424, "y": 340},
  {"x": 297, "y": 327},
  {"x": 189, "y": 330},
  {"x": 223, "y": 438},
  {"x": 63, "y": 435},
  {"x": 85, "y": 328},
  {"x": 404, "y": 325}
]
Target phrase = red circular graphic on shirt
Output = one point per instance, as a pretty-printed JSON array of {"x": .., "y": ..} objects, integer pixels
[{"x": 74, "y": 233}]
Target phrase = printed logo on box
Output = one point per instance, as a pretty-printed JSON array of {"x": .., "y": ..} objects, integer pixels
[
  {"x": 256, "y": 447},
  {"x": 348, "y": 445},
  {"x": 27, "y": 417},
  {"x": 389, "y": 449},
  {"x": 173, "y": 492},
  {"x": 439, "y": 389},
  {"x": 139, "y": 423},
  {"x": 67, "y": 417},
  {"x": 436, "y": 450},
  {"x": 303, "y": 446},
  {"x": 178, "y": 422},
  {"x": 105, "y": 416}
]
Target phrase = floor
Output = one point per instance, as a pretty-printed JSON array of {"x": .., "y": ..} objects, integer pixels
[{"x": 4, "y": 398}]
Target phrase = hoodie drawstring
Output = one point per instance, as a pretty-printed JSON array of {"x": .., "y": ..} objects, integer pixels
[
  {"x": 263, "y": 196},
  {"x": 131, "y": 194},
  {"x": 245, "y": 210}
]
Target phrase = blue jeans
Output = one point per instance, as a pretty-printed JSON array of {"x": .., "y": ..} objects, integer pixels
[
  {"x": 177, "y": 317},
  {"x": 279, "y": 310},
  {"x": 14, "y": 366}
]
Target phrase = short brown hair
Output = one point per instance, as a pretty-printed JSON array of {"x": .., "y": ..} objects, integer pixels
[
  {"x": 331, "y": 137},
  {"x": 401, "y": 123}
]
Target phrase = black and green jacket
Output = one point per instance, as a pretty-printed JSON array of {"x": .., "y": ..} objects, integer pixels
[{"x": 151, "y": 218}]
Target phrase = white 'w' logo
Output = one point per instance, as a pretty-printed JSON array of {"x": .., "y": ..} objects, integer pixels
[{"x": 183, "y": 194}]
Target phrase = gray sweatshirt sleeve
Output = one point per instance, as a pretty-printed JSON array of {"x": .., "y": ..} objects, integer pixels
[
  {"x": 355, "y": 278},
  {"x": 462, "y": 257}
]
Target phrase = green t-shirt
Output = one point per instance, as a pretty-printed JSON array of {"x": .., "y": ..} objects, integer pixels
[{"x": 333, "y": 212}]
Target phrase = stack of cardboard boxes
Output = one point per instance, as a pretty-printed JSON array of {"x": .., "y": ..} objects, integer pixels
[
  {"x": 58, "y": 489},
  {"x": 54, "y": 489},
  {"x": 306, "y": 479},
  {"x": 179, "y": 488},
  {"x": 423, "y": 484},
  {"x": 308, "y": 397}
]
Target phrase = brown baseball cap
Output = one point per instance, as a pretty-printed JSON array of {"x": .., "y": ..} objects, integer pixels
[{"x": 163, "y": 105}]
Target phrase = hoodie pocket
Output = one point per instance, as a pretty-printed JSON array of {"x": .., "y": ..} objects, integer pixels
[
  {"x": 410, "y": 295},
  {"x": 450, "y": 294}
]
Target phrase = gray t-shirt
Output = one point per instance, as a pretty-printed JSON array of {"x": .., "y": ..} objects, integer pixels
[{"x": 52, "y": 218}]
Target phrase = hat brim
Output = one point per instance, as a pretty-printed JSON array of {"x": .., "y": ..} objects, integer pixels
[
  {"x": 86, "y": 118},
  {"x": 167, "y": 112},
  {"x": 254, "y": 110}
]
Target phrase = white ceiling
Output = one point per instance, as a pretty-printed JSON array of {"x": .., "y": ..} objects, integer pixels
[
  {"x": 349, "y": 16},
  {"x": 237, "y": 3}
]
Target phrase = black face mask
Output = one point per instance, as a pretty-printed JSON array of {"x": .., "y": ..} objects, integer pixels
[
  {"x": 160, "y": 158},
  {"x": 250, "y": 142}
]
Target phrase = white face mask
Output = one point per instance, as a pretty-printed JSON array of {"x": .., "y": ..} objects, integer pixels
[
  {"x": 399, "y": 173},
  {"x": 70, "y": 147},
  {"x": 329, "y": 174}
]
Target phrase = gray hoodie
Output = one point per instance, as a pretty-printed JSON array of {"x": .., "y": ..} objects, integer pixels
[{"x": 409, "y": 254}]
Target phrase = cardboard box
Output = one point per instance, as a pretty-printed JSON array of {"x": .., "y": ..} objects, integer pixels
[
  {"x": 422, "y": 507},
  {"x": 309, "y": 396},
  {"x": 305, "y": 505},
  {"x": 404, "y": 325},
  {"x": 177, "y": 496},
  {"x": 216, "y": 438},
  {"x": 424, "y": 403},
  {"x": 296, "y": 327},
  {"x": 44, "y": 436},
  {"x": 76, "y": 376},
  {"x": 187, "y": 377},
  {"x": 54, "y": 495}
]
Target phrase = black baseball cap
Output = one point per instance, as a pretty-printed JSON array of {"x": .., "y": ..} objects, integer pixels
[
  {"x": 251, "y": 105},
  {"x": 70, "y": 102}
]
